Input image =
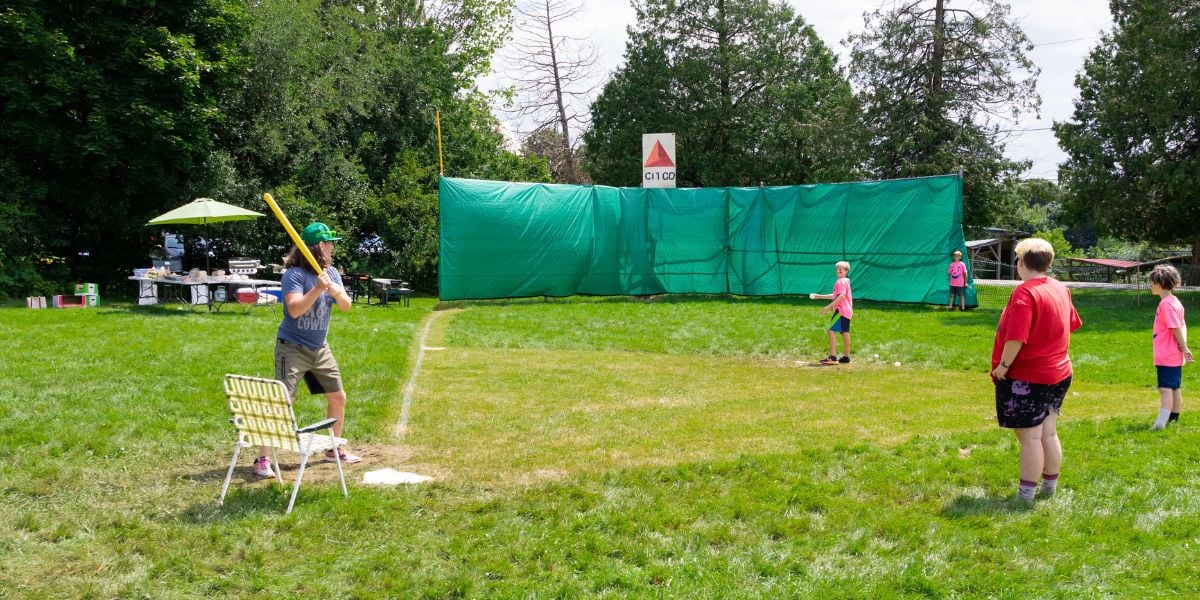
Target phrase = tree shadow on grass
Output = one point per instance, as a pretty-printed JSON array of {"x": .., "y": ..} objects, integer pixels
[{"x": 968, "y": 506}]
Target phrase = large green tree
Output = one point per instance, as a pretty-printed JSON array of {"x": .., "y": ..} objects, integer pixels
[
  {"x": 106, "y": 108},
  {"x": 1133, "y": 146},
  {"x": 941, "y": 84},
  {"x": 751, "y": 92},
  {"x": 113, "y": 112},
  {"x": 339, "y": 118}
]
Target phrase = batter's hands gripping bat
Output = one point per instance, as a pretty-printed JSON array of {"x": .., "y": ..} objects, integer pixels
[{"x": 312, "y": 260}]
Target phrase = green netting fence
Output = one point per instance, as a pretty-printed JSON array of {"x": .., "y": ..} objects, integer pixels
[{"x": 512, "y": 240}]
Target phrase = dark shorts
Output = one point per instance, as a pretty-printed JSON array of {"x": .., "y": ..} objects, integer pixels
[
  {"x": 958, "y": 292},
  {"x": 317, "y": 367},
  {"x": 1170, "y": 377},
  {"x": 1020, "y": 404},
  {"x": 839, "y": 324}
]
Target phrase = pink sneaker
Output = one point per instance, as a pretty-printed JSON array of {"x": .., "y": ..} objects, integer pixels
[
  {"x": 347, "y": 458},
  {"x": 262, "y": 467}
]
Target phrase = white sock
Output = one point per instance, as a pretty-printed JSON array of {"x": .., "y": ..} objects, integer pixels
[
  {"x": 1049, "y": 485},
  {"x": 1163, "y": 415}
]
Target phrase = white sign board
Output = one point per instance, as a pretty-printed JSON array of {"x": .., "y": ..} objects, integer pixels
[{"x": 658, "y": 160}]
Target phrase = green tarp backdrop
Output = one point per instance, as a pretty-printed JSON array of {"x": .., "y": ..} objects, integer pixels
[{"x": 512, "y": 240}]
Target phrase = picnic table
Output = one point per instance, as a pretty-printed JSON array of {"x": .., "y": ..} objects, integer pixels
[
  {"x": 210, "y": 292},
  {"x": 391, "y": 287}
]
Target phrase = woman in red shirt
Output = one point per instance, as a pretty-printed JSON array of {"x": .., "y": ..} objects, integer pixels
[{"x": 1030, "y": 366}]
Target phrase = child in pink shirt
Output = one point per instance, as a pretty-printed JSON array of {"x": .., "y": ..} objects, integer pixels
[
  {"x": 958, "y": 281},
  {"x": 1170, "y": 344},
  {"x": 842, "y": 306}
]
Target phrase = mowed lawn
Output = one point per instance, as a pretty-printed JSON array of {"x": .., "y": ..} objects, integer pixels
[{"x": 599, "y": 447}]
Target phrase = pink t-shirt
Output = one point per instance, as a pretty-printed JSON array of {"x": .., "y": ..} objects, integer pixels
[
  {"x": 958, "y": 274},
  {"x": 846, "y": 307},
  {"x": 1166, "y": 348}
]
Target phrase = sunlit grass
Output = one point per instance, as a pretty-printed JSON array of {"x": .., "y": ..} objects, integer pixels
[{"x": 592, "y": 447}]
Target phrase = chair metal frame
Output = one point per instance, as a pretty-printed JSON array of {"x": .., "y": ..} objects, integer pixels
[{"x": 262, "y": 414}]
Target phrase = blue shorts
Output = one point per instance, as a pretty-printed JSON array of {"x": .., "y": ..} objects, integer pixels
[
  {"x": 1170, "y": 377},
  {"x": 960, "y": 292},
  {"x": 839, "y": 324}
]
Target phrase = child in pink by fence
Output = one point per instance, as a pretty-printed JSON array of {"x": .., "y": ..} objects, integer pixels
[
  {"x": 958, "y": 281},
  {"x": 842, "y": 306},
  {"x": 1170, "y": 344}
]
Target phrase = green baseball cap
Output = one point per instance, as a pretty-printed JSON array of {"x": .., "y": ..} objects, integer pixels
[{"x": 318, "y": 232}]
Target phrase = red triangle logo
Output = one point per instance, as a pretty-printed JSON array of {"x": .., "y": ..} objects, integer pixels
[{"x": 658, "y": 157}]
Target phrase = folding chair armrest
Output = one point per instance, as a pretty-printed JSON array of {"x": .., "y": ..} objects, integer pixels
[{"x": 326, "y": 424}]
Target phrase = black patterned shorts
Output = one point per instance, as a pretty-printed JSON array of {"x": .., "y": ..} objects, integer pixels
[{"x": 1020, "y": 404}]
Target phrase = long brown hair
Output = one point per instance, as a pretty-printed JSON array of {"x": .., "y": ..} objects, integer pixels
[{"x": 295, "y": 258}]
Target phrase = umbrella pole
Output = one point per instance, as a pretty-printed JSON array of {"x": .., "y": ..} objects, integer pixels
[{"x": 207, "y": 251}]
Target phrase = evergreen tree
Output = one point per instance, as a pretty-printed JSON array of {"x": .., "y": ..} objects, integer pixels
[
  {"x": 1133, "y": 145},
  {"x": 939, "y": 83},
  {"x": 751, "y": 92}
]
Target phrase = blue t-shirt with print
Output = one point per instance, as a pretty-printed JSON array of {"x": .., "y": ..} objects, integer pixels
[{"x": 312, "y": 327}]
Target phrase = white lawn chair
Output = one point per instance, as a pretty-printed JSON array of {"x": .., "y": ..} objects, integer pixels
[{"x": 263, "y": 416}]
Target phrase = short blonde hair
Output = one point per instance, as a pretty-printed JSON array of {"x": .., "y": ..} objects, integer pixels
[
  {"x": 957, "y": 253},
  {"x": 841, "y": 264},
  {"x": 1037, "y": 253}
]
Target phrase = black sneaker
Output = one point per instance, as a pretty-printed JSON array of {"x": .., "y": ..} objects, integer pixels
[
  {"x": 829, "y": 360},
  {"x": 844, "y": 360}
]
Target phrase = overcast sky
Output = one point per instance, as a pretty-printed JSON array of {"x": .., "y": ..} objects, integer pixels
[{"x": 1063, "y": 32}]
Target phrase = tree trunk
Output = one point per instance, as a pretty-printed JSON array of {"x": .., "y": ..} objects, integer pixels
[
  {"x": 938, "y": 56},
  {"x": 568, "y": 156}
]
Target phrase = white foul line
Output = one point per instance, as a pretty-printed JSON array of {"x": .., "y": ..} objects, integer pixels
[{"x": 412, "y": 379}]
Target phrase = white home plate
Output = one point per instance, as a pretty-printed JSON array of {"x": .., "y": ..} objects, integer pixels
[{"x": 392, "y": 477}]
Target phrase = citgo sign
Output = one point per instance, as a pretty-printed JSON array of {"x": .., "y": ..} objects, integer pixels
[{"x": 658, "y": 160}]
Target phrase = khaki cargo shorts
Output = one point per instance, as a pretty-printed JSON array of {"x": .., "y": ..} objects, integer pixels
[{"x": 318, "y": 368}]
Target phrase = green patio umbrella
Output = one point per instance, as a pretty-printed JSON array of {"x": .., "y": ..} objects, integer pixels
[{"x": 203, "y": 211}]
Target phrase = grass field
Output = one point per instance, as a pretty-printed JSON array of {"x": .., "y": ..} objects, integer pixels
[{"x": 598, "y": 447}]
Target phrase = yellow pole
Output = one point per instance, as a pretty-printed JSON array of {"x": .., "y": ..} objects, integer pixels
[
  {"x": 283, "y": 220},
  {"x": 437, "y": 118}
]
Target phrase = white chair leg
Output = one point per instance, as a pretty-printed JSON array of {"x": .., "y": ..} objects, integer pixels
[
  {"x": 338, "y": 456},
  {"x": 275, "y": 465},
  {"x": 299, "y": 475},
  {"x": 237, "y": 448}
]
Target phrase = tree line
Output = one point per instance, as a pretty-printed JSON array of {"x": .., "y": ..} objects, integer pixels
[{"x": 113, "y": 112}]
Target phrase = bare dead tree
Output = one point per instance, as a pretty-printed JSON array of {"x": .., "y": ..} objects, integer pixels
[{"x": 552, "y": 74}]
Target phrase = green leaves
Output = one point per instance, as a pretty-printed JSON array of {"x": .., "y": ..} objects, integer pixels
[
  {"x": 1134, "y": 144},
  {"x": 114, "y": 112},
  {"x": 752, "y": 94},
  {"x": 935, "y": 82},
  {"x": 107, "y": 109}
]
